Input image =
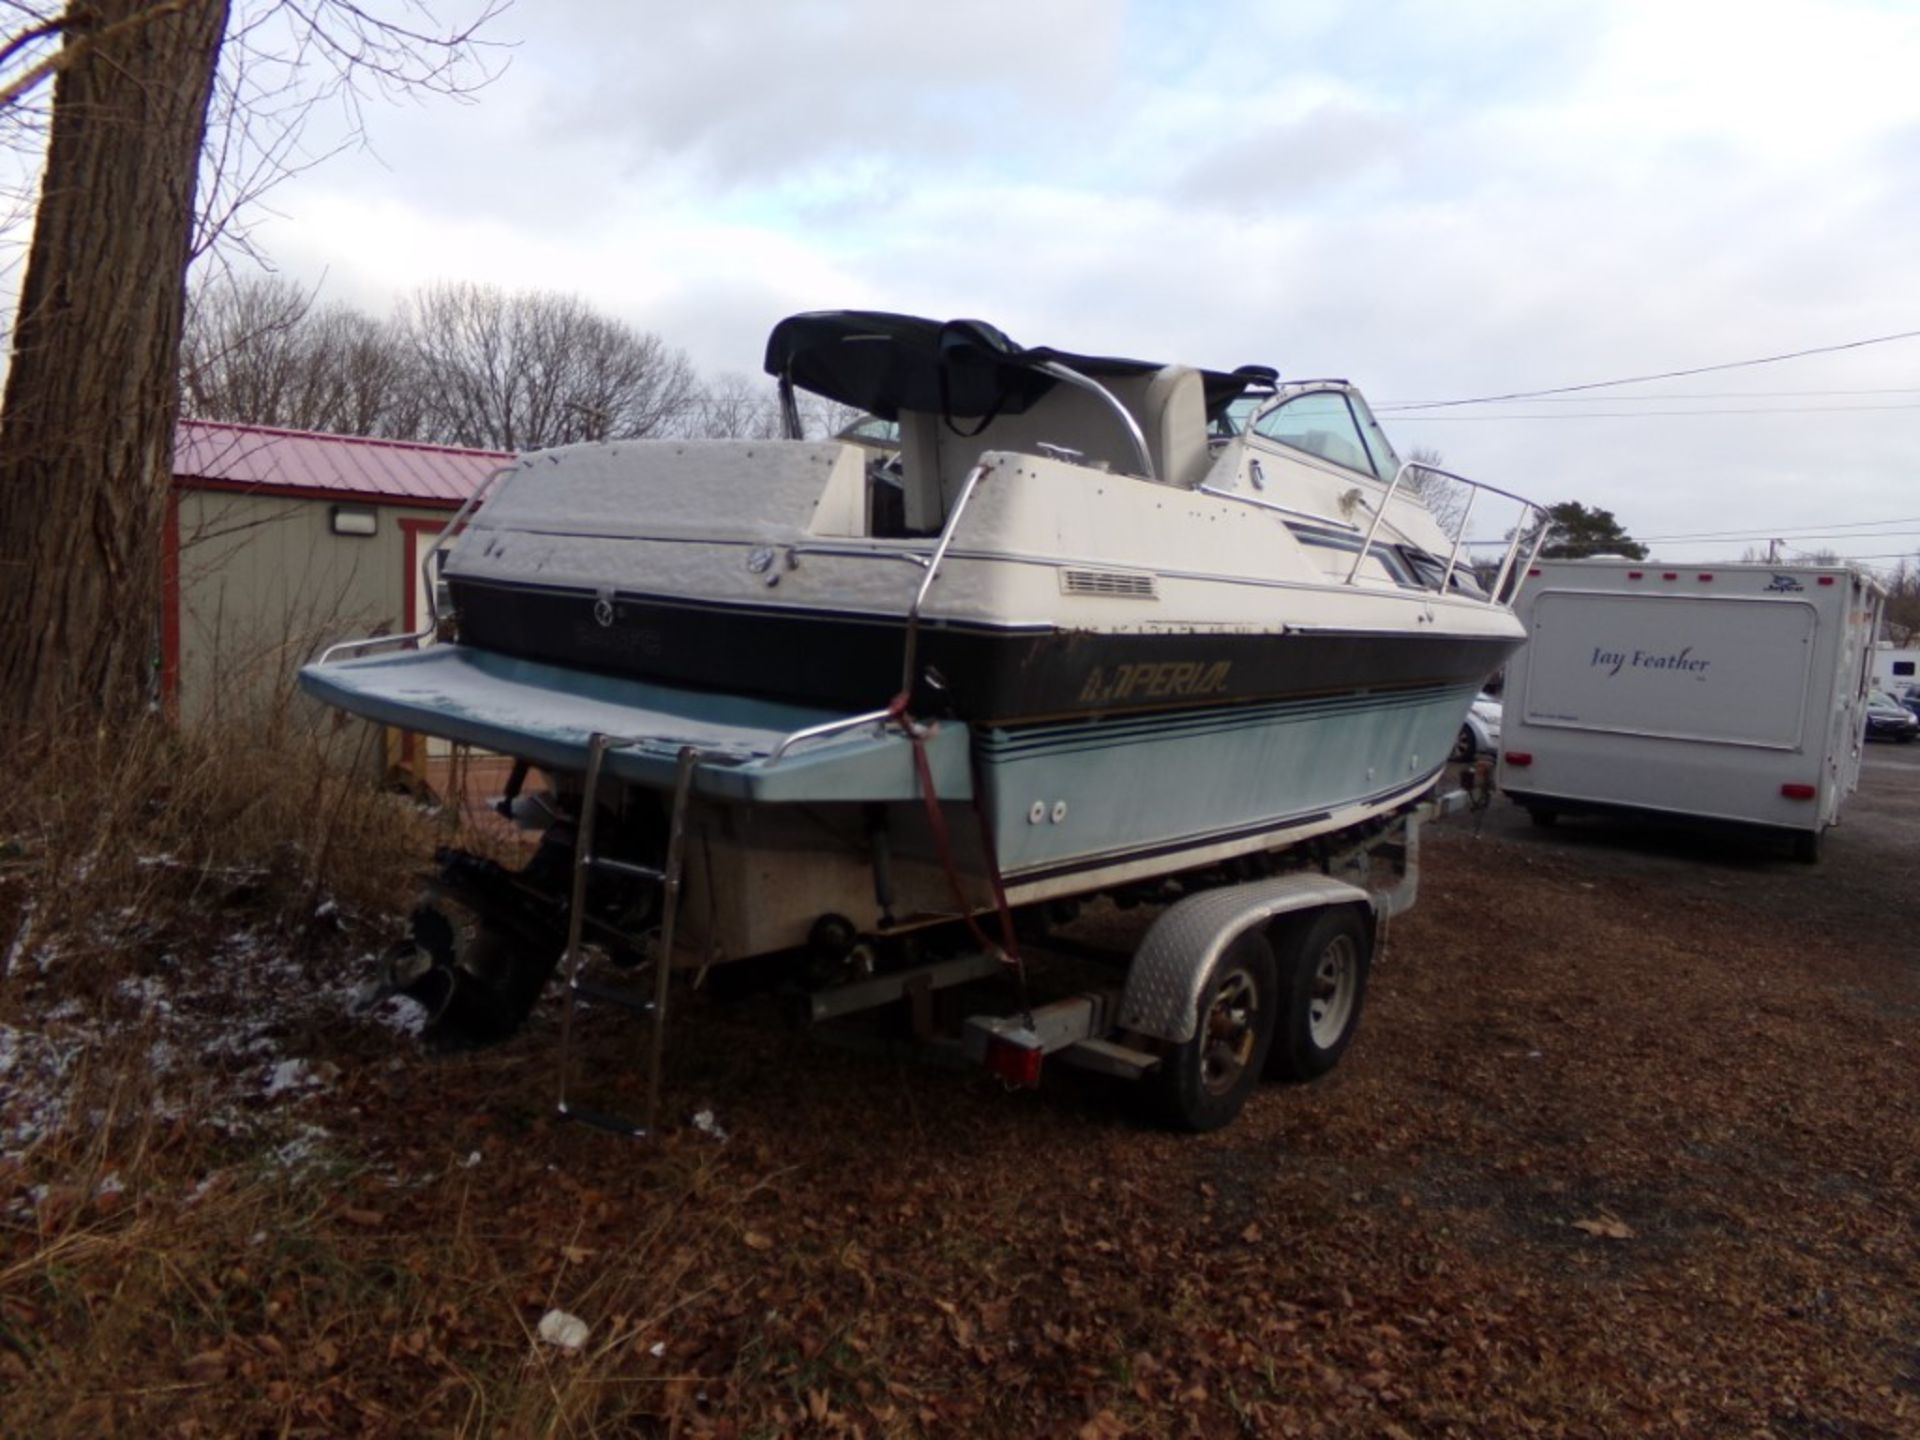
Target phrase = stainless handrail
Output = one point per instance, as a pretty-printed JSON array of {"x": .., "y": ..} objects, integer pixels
[
  {"x": 1276, "y": 506},
  {"x": 1474, "y": 487},
  {"x": 947, "y": 531},
  {"x": 1540, "y": 534},
  {"x": 830, "y": 727},
  {"x": 874, "y": 717},
  {"x": 1459, "y": 539},
  {"x": 853, "y": 552},
  {"x": 1386, "y": 501},
  {"x": 426, "y": 578},
  {"x": 1094, "y": 387}
]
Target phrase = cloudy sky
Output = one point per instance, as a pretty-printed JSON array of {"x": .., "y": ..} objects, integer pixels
[{"x": 1438, "y": 200}]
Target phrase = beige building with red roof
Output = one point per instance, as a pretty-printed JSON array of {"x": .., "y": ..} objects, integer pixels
[{"x": 280, "y": 542}]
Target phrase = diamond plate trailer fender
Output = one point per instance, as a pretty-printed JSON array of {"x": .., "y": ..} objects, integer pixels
[{"x": 1162, "y": 996}]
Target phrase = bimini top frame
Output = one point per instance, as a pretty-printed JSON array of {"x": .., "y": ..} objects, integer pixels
[{"x": 963, "y": 370}]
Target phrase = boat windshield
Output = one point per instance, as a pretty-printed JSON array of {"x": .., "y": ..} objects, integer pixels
[{"x": 1336, "y": 425}]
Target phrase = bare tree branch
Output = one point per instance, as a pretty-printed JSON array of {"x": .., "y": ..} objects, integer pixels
[
  {"x": 77, "y": 25},
  {"x": 531, "y": 369},
  {"x": 96, "y": 379}
]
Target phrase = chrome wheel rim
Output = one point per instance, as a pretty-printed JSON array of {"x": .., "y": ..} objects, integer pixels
[
  {"x": 1336, "y": 981},
  {"x": 1231, "y": 1027}
]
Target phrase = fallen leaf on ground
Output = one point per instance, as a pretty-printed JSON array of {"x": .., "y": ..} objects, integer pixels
[{"x": 1606, "y": 1227}]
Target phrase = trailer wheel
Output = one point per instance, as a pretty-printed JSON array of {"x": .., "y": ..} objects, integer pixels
[
  {"x": 1323, "y": 964},
  {"x": 1806, "y": 846},
  {"x": 1463, "y": 747},
  {"x": 1544, "y": 816},
  {"x": 1202, "y": 1084}
]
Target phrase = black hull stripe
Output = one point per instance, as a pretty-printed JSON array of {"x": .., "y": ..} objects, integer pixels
[{"x": 1014, "y": 676}]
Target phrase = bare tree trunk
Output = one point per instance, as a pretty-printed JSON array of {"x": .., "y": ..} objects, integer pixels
[{"x": 86, "y": 434}]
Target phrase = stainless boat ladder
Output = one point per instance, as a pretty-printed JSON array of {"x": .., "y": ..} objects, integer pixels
[{"x": 586, "y": 863}]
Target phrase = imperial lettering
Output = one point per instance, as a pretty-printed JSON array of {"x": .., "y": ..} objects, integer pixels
[{"x": 1173, "y": 679}]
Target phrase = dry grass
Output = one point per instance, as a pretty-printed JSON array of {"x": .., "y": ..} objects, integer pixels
[
  {"x": 185, "y": 1247},
  {"x": 1610, "y": 1159}
]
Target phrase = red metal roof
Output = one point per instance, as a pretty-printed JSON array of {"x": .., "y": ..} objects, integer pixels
[{"x": 259, "y": 457}]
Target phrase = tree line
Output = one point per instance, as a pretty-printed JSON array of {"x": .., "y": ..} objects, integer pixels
[{"x": 455, "y": 364}]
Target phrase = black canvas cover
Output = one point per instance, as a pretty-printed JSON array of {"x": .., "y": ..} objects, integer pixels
[{"x": 884, "y": 363}]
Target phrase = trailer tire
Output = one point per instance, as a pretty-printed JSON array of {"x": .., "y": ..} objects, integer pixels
[
  {"x": 1545, "y": 816},
  {"x": 1806, "y": 846},
  {"x": 1463, "y": 746},
  {"x": 1202, "y": 1084},
  {"x": 1323, "y": 963}
]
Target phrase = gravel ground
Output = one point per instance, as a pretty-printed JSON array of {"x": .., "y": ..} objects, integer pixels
[{"x": 1863, "y": 885}]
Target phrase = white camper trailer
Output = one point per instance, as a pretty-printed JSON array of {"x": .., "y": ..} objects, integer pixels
[{"x": 1731, "y": 693}]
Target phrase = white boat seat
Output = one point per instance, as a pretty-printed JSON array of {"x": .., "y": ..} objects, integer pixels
[
  {"x": 1169, "y": 405},
  {"x": 1172, "y": 411}
]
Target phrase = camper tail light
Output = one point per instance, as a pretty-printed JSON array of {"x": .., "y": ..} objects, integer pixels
[
  {"x": 1013, "y": 1062},
  {"x": 1520, "y": 758},
  {"x": 1794, "y": 790}
]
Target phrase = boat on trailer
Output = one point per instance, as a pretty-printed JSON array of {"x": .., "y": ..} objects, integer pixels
[{"x": 1080, "y": 625}]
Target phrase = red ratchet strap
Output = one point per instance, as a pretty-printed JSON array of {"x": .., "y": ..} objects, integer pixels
[{"x": 1009, "y": 948}]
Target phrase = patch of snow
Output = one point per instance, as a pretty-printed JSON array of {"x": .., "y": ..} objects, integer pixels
[
  {"x": 296, "y": 1076},
  {"x": 305, "y": 1150},
  {"x": 704, "y": 1122},
  {"x": 402, "y": 1014},
  {"x": 210, "y": 1042},
  {"x": 148, "y": 992},
  {"x": 19, "y": 945},
  {"x": 38, "y": 1074}
]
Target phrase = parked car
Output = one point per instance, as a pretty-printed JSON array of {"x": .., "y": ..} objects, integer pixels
[
  {"x": 1888, "y": 719},
  {"x": 1909, "y": 696},
  {"x": 1481, "y": 734}
]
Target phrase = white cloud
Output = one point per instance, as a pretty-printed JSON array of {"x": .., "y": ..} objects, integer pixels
[{"x": 1437, "y": 199}]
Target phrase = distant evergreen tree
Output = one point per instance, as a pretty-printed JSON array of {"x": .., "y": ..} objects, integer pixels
[{"x": 1578, "y": 532}]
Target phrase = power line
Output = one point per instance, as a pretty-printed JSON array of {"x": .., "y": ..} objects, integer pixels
[
  {"x": 1772, "y": 531},
  {"x": 1656, "y": 414},
  {"x": 1783, "y": 538},
  {"x": 1665, "y": 374},
  {"x": 1758, "y": 537},
  {"x": 1685, "y": 395}
]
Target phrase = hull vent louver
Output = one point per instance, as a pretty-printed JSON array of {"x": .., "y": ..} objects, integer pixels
[{"x": 1118, "y": 584}]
